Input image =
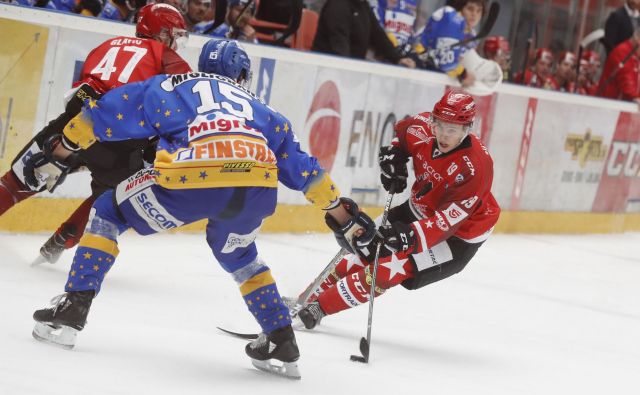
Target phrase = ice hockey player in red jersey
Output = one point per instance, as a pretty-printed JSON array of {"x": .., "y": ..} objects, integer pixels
[
  {"x": 436, "y": 232},
  {"x": 117, "y": 61}
]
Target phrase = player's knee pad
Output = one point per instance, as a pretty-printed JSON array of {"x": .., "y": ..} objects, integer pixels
[{"x": 104, "y": 219}]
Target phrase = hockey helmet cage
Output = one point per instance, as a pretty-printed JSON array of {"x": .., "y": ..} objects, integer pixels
[
  {"x": 161, "y": 21},
  {"x": 227, "y": 58},
  {"x": 455, "y": 107}
]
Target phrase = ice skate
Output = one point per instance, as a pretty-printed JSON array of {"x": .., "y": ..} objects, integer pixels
[
  {"x": 59, "y": 324},
  {"x": 311, "y": 315},
  {"x": 276, "y": 352},
  {"x": 55, "y": 246}
]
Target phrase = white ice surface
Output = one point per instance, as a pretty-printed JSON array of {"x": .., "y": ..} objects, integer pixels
[{"x": 529, "y": 315}]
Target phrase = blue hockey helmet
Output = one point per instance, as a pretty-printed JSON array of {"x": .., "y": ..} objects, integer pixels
[{"x": 227, "y": 58}]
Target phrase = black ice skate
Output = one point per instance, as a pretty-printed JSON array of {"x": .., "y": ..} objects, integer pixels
[
  {"x": 311, "y": 315},
  {"x": 53, "y": 248},
  {"x": 279, "y": 345},
  {"x": 60, "y": 323}
]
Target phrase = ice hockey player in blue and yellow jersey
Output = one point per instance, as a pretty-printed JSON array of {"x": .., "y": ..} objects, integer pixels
[
  {"x": 446, "y": 27},
  {"x": 221, "y": 154}
]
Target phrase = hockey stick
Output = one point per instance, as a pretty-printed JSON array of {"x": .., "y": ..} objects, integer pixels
[
  {"x": 586, "y": 41},
  {"x": 365, "y": 344},
  {"x": 221, "y": 13},
  {"x": 301, "y": 302}
]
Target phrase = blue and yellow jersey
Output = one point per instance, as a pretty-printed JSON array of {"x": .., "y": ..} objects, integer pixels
[
  {"x": 397, "y": 18},
  {"x": 445, "y": 27},
  {"x": 212, "y": 133}
]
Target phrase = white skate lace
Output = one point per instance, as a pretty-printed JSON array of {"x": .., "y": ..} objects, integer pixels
[
  {"x": 56, "y": 301},
  {"x": 259, "y": 342}
]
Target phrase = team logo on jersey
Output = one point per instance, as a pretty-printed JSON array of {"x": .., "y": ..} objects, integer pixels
[
  {"x": 441, "y": 223},
  {"x": 419, "y": 132},
  {"x": 585, "y": 148},
  {"x": 152, "y": 212},
  {"x": 202, "y": 126},
  {"x": 459, "y": 178},
  {"x": 455, "y": 214}
]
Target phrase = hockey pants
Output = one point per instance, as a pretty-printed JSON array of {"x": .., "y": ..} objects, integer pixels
[{"x": 234, "y": 219}]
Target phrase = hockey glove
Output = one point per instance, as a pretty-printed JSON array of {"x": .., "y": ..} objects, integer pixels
[
  {"x": 393, "y": 167},
  {"x": 42, "y": 169},
  {"x": 357, "y": 232},
  {"x": 398, "y": 237}
]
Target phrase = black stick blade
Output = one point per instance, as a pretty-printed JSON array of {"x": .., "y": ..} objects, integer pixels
[
  {"x": 492, "y": 16},
  {"x": 357, "y": 358},
  {"x": 364, "y": 349}
]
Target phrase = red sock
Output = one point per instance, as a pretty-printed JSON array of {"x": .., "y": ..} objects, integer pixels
[
  {"x": 12, "y": 191},
  {"x": 354, "y": 289},
  {"x": 349, "y": 264}
]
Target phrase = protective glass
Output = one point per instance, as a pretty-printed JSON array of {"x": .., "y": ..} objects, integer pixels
[{"x": 180, "y": 38}]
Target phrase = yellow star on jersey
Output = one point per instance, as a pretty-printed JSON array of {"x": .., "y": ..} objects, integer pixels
[
  {"x": 119, "y": 116},
  {"x": 284, "y": 156},
  {"x": 315, "y": 172},
  {"x": 167, "y": 113},
  {"x": 278, "y": 129},
  {"x": 109, "y": 133},
  {"x": 96, "y": 268},
  {"x": 305, "y": 174},
  {"x": 141, "y": 123},
  {"x": 93, "y": 103},
  {"x": 125, "y": 96},
  {"x": 157, "y": 125},
  {"x": 286, "y": 128},
  {"x": 86, "y": 255},
  {"x": 73, "y": 273},
  {"x": 70, "y": 285}
]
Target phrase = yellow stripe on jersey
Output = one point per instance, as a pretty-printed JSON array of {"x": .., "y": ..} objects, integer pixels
[
  {"x": 258, "y": 281},
  {"x": 323, "y": 192},
  {"x": 80, "y": 131},
  {"x": 99, "y": 243}
]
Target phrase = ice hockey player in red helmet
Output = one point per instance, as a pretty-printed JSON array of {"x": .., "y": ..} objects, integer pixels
[
  {"x": 115, "y": 62},
  {"x": 450, "y": 211},
  {"x": 540, "y": 71},
  {"x": 497, "y": 48}
]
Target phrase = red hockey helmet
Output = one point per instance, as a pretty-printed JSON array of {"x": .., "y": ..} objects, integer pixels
[
  {"x": 494, "y": 45},
  {"x": 566, "y": 56},
  {"x": 455, "y": 107},
  {"x": 162, "y": 22},
  {"x": 543, "y": 54}
]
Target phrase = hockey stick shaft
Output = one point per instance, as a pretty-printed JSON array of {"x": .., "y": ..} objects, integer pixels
[{"x": 366, "y": 347}]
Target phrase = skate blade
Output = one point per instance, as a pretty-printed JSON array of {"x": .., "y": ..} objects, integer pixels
[
  {"x": 38, "y": 261},
  {"x": 62, "y": 336},
  {"x": 288, "y": 369}
]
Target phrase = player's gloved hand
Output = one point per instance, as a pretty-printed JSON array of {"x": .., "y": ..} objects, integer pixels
[
  {"x": 398, "y": 236},
  {"x": 356, "y": 233},
  {"x": 393, "y": 167},
  {"x": 43, "y": 167}
]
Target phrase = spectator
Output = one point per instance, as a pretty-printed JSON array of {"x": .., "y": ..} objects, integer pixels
[
  {"x": 497, "y": 48},
  {"x": 446, "y": 27},
  {"x": 195, "y": 15},
  {"x": 397, "y": 18},
  {"x": 563, "y": 79},
  {"x": 180, "y": 5},
  {"x": 590, "y": 64},
  {"x": 620, "y": 24},
  {"x": 619, "y": 78},
  {"x": 121, "y": 10},
  {"x": 238, "y": 17},
  {"x": 541, "y": 70},
  {"x": 349, "y": 28}
]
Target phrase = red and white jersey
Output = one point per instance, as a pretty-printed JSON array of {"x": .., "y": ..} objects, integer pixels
[
  {"x": 452, "y": 191},
  {"x": 121, "y": 60}
]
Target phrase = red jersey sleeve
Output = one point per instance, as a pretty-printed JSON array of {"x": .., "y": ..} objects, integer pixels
[{"x": 172, "y": 63}]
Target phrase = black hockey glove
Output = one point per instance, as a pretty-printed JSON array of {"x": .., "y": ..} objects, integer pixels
[
  {"x": 346, "y": 234},
  {"x": 398, "y": 237},
  {"x": 393, "y": 167},
  {"x": 44, "y": 168}
]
